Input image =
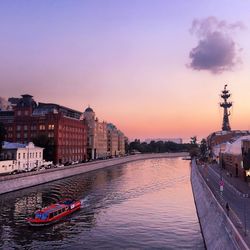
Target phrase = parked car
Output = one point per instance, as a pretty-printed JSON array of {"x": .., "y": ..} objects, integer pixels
[{"x": 14, "y": 172}]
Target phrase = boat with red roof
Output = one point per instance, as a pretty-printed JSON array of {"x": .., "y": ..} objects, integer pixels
[{"x": 54, "y": 213}]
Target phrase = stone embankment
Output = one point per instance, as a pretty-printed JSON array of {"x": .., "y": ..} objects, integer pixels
[
  {"x": 20, "y": 181},
  {"x": 217, "y": 229}
]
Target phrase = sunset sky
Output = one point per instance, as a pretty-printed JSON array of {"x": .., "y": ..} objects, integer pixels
[{"x": 153, "y": 68}]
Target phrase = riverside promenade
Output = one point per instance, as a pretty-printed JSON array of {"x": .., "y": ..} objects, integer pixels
[
  {"x": 15, "y": 182},
  {"x": 222, "y": 228}
]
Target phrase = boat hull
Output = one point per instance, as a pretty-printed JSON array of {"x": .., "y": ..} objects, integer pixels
[{"x": 71, "y": 208}]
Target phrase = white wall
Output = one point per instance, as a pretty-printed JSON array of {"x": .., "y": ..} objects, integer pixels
[
  {"x": 7, "y": 166},
  {"x": 29, "y": 157}
]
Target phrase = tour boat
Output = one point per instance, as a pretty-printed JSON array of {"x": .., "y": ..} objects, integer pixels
[{"x": 53, "y": 213}]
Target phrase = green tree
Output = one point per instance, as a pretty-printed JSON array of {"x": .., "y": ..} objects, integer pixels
[
  {"x": 193, "y": 149},
  {"x": 193, "y": 140},
  {"x": 203, "y": 148},
  {"x": 3, "y": 133}
]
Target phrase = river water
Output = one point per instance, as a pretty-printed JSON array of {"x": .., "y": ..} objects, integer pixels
[{"x": 146, "y": 204}]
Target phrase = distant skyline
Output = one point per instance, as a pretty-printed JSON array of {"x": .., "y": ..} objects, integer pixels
[{"x": 153, "y": 68}]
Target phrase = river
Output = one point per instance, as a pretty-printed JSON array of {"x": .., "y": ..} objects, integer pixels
[{"x": 146, "y": 204}]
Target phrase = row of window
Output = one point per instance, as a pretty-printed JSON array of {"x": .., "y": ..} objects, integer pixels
[
  {"x": 30, "y": 155},
  {"x": 34, "y": 127},
  {"x": 70, "y": 151},
  {"x": 19, "y": 112},
  {"x": 70, "y": 128}
]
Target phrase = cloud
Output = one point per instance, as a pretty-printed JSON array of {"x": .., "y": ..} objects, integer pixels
[{"x": 216, "y": 50}]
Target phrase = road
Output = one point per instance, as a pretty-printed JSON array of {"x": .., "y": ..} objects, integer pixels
[{"x": 239, "y": 206}]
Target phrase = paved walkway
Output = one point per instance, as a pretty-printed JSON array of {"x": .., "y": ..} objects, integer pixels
[{"x": 237, "y": 183}]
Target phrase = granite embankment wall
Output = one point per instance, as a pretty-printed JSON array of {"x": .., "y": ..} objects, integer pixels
[
  {"x": 217, "y": 228},
  {"x": 20, "y": 181}
]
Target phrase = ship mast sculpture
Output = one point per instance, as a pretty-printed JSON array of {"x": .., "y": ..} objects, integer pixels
[{"x": 226, "y": 105}]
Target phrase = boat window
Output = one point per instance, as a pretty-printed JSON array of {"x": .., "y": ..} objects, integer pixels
[
  {"x": 51, "y": 215},
  {"x": 41, "y": 216},
  {"x": 44, "y": 216},
  {"x": 38, "y": 216}
]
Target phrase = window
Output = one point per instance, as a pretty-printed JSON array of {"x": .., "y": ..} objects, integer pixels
[
  {"x": 18, "y": 135},
  {"x": 25, "y": 135},
  {"x": 23, "y": 155},
  {"x": 18, "y": 128},
  {"x": 19, "y": 155},
  {"x": 51, "y": 126},
  {"x": 41, "y": 127},
  {"x": 36, "y": 154},
  {"x": 50, "y": 134},
  {"x": 40, "y": 154},
  {"x": 19, "y": 112},
  {"x": 25, "y": 127},
  {"x": 33, "y": 127},
  {"x": 26, "y": 112}
]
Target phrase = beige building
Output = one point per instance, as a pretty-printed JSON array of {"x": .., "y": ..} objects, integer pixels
[
  {"x": 103, "y": 140},
  {"x": 112, "y": 140},
  {"x": 121, "y": 143},
  {"x": 96, "y": 135}
]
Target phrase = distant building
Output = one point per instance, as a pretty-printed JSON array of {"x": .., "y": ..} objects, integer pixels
[
  {"x": 121, "y": 143},
  {"x": 103, "y": 139},
  {"x": 175, "y": 140},
  {"x": 96, "y": 135},
  {"x": 63, "y": 127},
  {"x": 20, "y": 157},
  {"x": 113, "y": 137},
  {"x": 235, "y": 156}
]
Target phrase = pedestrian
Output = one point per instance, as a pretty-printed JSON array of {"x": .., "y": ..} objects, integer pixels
[{"x": 227, "y": 209}]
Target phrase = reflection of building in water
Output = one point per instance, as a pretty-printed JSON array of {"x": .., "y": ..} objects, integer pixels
[
  {"x": 96, "y": 189},
  {"x": 28, "y": 204}
]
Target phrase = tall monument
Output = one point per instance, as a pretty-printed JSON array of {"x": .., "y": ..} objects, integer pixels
[{"x": 225, "y": 105}]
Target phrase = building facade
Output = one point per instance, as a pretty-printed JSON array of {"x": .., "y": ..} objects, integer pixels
[
  {"x": 235, "y": 157},
  {"x": 60, "y": 128},
  {"x": 21, "y": 156},
  {"x": 96, "y": 135},
  {"x": 103, "y": 139},
  {"x": 113, "y": 140}
]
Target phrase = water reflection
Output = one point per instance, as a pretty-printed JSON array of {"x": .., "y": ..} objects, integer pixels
[{"x": 133, "y": 201}]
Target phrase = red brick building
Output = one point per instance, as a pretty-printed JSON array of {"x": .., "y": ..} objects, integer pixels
[{"x": 62, "y": 126}]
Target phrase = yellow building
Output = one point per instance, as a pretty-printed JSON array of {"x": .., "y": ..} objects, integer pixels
[{"x": 96, "y": 135}]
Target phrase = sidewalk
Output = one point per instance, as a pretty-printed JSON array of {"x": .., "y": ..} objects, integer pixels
[{"x": 237, "y": 183}]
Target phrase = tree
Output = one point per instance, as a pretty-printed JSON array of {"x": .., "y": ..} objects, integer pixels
[
  {"x": 3, "y": 133},
  {"x": 48, "y": 144},
  {"x": 193, "y": 149},
  {"x": 203, "y": 148},
  {"x": 193, "y": 140}
]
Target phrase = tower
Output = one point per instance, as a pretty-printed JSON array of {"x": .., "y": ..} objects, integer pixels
[{"x": 225, "y": 105}]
